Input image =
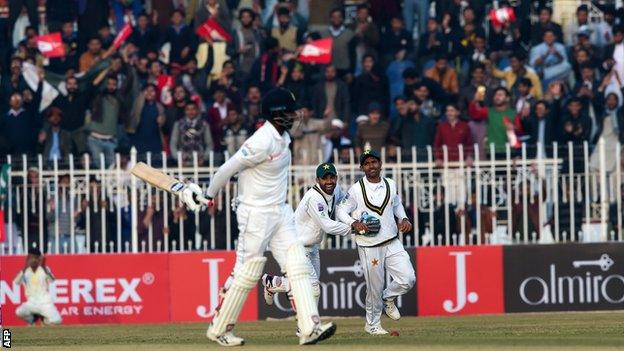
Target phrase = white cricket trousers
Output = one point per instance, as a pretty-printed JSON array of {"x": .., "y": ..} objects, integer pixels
[
  {"x": 392, "y": 259},
  {"x": 259, "y": 228},
  {"x": 46, "y": 309}
]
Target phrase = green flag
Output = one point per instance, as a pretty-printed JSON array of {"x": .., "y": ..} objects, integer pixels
[{"x": 4, "y": 180}]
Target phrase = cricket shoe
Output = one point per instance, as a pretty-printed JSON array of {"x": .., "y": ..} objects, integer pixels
[
  {"x": 321, "y": 332},
  {"x": 391, "y": 310},
  {"x": 267, "y": 282},
  {"x": 226, "y": 339},
  {"x": 375, "y": 330}
]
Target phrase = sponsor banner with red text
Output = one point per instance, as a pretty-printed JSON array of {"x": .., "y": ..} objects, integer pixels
[
  {"x": 459, "y": 280},
  {"x": 195, "y": 282},
  {"x": 568, "y": 277},
  {"x": 96, "y": 288}
]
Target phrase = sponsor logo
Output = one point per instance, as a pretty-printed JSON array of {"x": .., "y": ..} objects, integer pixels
[
  {"x": 564, "y": 278},
  {"x": 214, "y": 299},
  {"x": 453, "y": 280},
  {"x": 177, "y": 187}
]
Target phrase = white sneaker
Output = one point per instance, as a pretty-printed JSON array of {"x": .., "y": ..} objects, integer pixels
[
  {"x": 320, "y": 333},
  {"x": 375, "y": 330},
  {"x": 227, "y": 339},
  {"x": 391, "y": 310},
  {"x": 268, "y": 295}
]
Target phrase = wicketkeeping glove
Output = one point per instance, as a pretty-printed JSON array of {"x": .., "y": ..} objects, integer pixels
[{"x": 372, "y": 223}]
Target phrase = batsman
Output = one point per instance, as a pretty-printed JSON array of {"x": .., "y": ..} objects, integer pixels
[
  {"x": 265, "y": 220},
  {"x": 374, "y": 200}
]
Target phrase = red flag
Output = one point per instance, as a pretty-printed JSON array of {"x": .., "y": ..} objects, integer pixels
[
  {"x": 122, "y": 35},
  {"x": 2, "y": 228},
  {"x": 51, "y": 45},
  {"x": 501, "y": 16},
  {"x": 318, "y": 51},
  {"x": 164, "y": 85},
  {"x": 212, "y": 31}
]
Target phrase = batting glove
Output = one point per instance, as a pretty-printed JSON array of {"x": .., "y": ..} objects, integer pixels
[{"x": 193, "y": 197}]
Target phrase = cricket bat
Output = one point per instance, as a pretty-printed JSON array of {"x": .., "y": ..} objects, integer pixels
[{"x": 160, "y": 180}]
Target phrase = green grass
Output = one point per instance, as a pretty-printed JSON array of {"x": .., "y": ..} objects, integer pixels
[{"x": 551, "y": 331}]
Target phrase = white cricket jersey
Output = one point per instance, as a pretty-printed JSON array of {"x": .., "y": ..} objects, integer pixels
[
  {"x": 380, "y": 200},
  {"x": 315, "y": 216},
  {"x": 267, "y": 156},
  {"x": 36, "y": 283}
]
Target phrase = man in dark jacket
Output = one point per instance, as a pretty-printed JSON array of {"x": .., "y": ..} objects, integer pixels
[
  {"x": 54, "y": 141},
  {"x": 22, "y": 122},
  {"x": 370, "y": 86},
  {"x": 331, "y": 98}
]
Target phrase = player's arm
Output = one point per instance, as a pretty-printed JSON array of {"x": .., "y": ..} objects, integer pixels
[
  {"x": 247, "y": 156},
  {"x": 400, "y": 214},
  {"x": 320, "y": 216},
  {"x": 343, "y": 213},
  {"x": 19, "y": 278}
]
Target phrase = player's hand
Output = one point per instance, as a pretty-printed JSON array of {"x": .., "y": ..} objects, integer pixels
[
  {"x": 193, "y": 197},
  {"x": 405, "y": 226},
  {"x": 359, "y": 227}
]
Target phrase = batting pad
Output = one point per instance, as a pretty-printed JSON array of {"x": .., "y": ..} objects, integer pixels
[
  {"x": 298, "y": 269},
  {"x": 244, "y": 280}
]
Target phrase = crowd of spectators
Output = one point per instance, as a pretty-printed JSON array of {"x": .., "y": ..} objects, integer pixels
[{"x": 409, "y": 74}]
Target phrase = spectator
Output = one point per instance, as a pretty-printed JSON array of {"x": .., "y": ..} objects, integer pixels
[
  {"x": 610, "y": 130},
  {"x": 175, "y": 111},
  {"x": 577, "y": 126},
  {"x": 146, "y": 121},
  {"x": 217, "y": 10},
  {"x": 545, "y": 24},
  {"x": 330, "y": 97},
  {"x": 372, "y": 134},
  {"x": 251, "y": 105},
  {"x": 540, "y": 129},
  {"x": 22, "y": 123},
  {"x": 581, "y": 20},
  {"x": 549, "y": 59},
  {"x": 306, "y": 134},
  {"x": 524, "y": 101},
  {"x": 478, "y": 79},
  {"x": 432, "y": 41},
  {"x": 61, "y": 65},
  {"x": 427, "y": 106},
  {"x": 366, "y": 34},
  {"x": 235, "y": 132},
  {"x": 265, "y": 70},
  {"x": 12, "y": 82},
  {"x": 93, "y": 54},
  {"x": 452, "y": 133},
  {"x": 613, "y": 57},
  {"x": 500, "y": 118},
  {"x": 395, "y": 39},
  {"x": 245, "y": 46},
  {"x": 59, "y": 12},
  {"x": 517, "y": 69},
  {"x": 416, "y": 130},
  {"x": 369, "y": 86},
  {"x": 106, "y": 113},
  {"x": 181, "y": 38},
  {"x": 54, "y": 142},
  {"x": 105, "y": 35},
  {"x": 191, "y": 134},
  {"x": 144, "y": 36},
  {"x": 58, "y": 217},
  {"x": 297, "y": 84},
  {"x": 343, "y": 45},
  {"x": 15, "y": 9},
  {"x": 74, "y": 106},
  {"x": 217, "y": 115},
  {"x": 286, "y": 34},
  {"x": 444, "y": 75},
  {"x": 151, "y": 224}
]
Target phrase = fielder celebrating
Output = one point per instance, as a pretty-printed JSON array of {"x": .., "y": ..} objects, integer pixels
[
  {"x": 36, "y": 278},
  {"x": 314, "y": 217},
  {"x": 264, "y": 221},
  {"x": 374, "y": 199}
]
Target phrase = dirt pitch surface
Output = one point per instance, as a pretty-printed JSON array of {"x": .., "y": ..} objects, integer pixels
[{"x": 544, "y": 331}]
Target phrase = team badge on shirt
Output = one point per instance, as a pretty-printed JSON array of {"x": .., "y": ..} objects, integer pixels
[
  {"x": 375, "y": 262},
  {"x": 320, "y": 207}
]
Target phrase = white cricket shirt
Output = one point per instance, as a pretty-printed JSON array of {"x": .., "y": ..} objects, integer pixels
[
  {"x": 380, "y": 200},
  {"x": 267, "y": 156},
  {"x": 315, "y": 216},
  {"x": 36, "y": 283}
]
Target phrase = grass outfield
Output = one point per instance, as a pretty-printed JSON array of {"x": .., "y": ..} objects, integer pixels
[{"x": 547, "y": 331}]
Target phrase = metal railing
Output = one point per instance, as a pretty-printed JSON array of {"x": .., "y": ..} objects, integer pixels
[{"x": 496, "y": 196}]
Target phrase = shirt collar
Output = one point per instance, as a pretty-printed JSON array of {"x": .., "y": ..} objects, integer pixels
[{"x": 374, "y": 186}]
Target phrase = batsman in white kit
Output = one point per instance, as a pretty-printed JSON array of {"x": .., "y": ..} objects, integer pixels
[
  {"x": 37, "y": 277},
  {"x": 314, "y": 217},
  {"x": 374, "y": 199},
  {"x": 265, "y": 220}
]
